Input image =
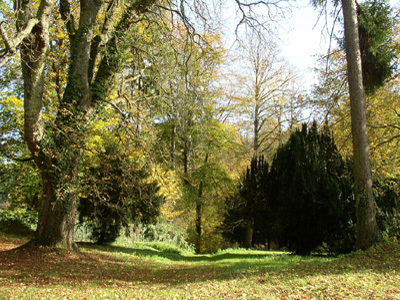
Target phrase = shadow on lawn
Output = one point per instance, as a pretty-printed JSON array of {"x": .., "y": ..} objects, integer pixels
[
  {"x": 178, "y": 257},
  {"x": 383, "y": 259},
  {"x": 102, "y": 267},
  {"x": 176, "y": 268}
]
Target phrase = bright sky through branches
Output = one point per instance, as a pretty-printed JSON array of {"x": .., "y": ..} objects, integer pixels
[{"x": 306, "y": 37}]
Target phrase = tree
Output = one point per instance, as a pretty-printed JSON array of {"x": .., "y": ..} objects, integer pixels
[
  {"x": 304, "y": 200},
  {"x": 270, "y": 99},
  {"x": 267, "y": 85},
  {"x": 96, "y": 45},
  {"x": 311, "y": 189},
  {"x": 117, "y": 192},
  {"x": 248, "y": 212},
  {"x": 367, "y": 229},
  {"x": 190, "y": 135}
]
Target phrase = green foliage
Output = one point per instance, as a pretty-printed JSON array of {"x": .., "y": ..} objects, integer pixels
[
  {"x": 376, "y": 23},
  {"x": 387, "y": 199},
  {"x": 375, "y": 26},
  {"x": 11, "y": 127},
  {"x": 20, "y": 184},
  {"x": 116, "y": 193},
  {"x": 18, "y": 222}
]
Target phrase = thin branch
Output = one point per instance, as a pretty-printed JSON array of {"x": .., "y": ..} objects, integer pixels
[
  {"x": 68, "y": 18},
  {"x": 386, "y": 141},
  {"x": 13, "y": 44}
]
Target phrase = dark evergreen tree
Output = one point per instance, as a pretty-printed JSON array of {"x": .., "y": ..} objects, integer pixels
[
  {"x": 311, "y": 186},
  {"x": 376, "y": 23},
  {"x": 378, "y": 53},
  {"x": 245, "y": 208},
  {"x": 304, "y": 201}
]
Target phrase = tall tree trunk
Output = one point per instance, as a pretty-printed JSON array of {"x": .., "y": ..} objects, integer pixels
[
  {"x": 249, "y": 233},
  {"x": 257, "y": 115},
  {"x": 367, "y": 230},
  {"x": 256, "y": 139},
  {"x": 199, "y": 207},
  {"x": 173, "y": 145}
]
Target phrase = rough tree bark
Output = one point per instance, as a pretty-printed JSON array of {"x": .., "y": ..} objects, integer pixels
[{"x": 366, "y": 229}]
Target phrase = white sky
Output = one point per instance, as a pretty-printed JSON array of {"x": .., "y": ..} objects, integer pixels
[
  {"x": 300, "y": 37},
  {"x": 306, "y": 38}
]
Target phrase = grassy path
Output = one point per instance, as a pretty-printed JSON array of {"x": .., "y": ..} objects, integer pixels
[{"x": 129, "y": 273}]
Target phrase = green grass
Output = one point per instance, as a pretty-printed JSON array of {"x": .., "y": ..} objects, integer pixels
[{"x": 156, "y": 271}]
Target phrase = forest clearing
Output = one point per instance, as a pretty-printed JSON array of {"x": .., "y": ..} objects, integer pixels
[
  {"x": 166, "y": 149},
  {"x": 122, "y": 272}
]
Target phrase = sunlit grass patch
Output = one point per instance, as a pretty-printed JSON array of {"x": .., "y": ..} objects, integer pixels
[{"x": 159, "y": 272}]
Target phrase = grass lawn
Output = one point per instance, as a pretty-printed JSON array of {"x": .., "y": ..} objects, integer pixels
[{"x": 139, "y": 272}]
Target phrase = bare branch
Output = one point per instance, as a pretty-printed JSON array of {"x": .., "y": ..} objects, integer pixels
[{"x": 13, "y": 44}]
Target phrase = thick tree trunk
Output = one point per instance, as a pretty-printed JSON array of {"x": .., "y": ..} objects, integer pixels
[
  {"x": 59, "y": 167},
  {"x": 367, "y": 229},
  {"x": 56, "y": 216}
]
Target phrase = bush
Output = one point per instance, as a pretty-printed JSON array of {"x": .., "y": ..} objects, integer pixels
[
  {"x": 116, "y": 193},
  {"x": 387, "y": 199},
  {"x": 18, "y": 222},
  {"x": 161, "y": 232}
]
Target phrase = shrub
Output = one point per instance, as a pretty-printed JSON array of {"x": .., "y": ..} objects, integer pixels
[
  {"x": 116, "y": 193},
  {"x": 387, "y": 199},
  {"x": 161, "y": 232},
  {"x": 18, "y": 222}
]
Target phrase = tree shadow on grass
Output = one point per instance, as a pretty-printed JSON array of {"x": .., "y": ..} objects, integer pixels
[
  {"x": 179, "y": 257},
  {"x": 102, "y": 266}
]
